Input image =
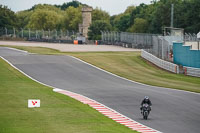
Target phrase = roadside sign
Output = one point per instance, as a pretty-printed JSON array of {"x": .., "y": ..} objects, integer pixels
[{"x": 32, "y": 103}]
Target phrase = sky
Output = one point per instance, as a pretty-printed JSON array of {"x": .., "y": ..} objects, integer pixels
[{"x": 113, "y": 7}]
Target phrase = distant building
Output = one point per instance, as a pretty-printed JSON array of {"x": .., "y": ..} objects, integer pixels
[{"x": 86, "y": 20}]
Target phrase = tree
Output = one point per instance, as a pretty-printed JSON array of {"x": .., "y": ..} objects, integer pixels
[
  {"x": 98, "y": 14},
  {"x": 187, "y": 16},
  {"x": 96, "y": 27},
  {"x": 123, "y": 23},
  {"x": 44, "y": 19},
  {"x": 23, "y": 18},
  {"x": 8, "y": 17},
  {"x": 130, "y": 9},
  {"x": 72, "y": 18},
  {"x": 140, "y": 26},
  {"x": 73, "y": 3},
  {"x": 162, "y": 15}
]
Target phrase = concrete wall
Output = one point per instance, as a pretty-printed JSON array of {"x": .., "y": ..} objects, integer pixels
[
  {"x": 183, "y": 55},
  {"x": 194, "y": 45}
]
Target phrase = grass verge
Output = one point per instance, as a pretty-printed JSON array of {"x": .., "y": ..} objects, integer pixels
[
  {"x": 131, "y": 66},
  {"x": 58, "y": 113}
]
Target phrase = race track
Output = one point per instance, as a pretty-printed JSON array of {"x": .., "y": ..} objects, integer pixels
[{"x": 172, "y": 111}]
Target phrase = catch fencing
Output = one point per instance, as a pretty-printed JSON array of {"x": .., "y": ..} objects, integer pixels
[
  {"x": 163, "y": 46},
  {"x": 160, "y": 46},
  {"x": 130, "y": 40},
  {"x": 60, "y": 36},
  {"x": 156, "y": 48},
  {"x": 188, "y": 37},
  {"x": 191, "y": 71},
  {"x": 159, "y": 62}
]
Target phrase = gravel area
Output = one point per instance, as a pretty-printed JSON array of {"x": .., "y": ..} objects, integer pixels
[{"x": 69, "y": 47}]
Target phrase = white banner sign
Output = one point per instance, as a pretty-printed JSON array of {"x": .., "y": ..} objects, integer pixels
[{"x": 32, "y": 103}]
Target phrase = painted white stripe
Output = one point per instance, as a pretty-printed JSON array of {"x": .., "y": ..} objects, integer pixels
[
  {"x": 112, "y": 74},
  {"x": 129, "y": 79},
  {"x": 17, "y": 49},
  {"x": 75, "y": 94}
]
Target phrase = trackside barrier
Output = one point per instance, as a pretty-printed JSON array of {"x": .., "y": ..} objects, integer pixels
[
  {"x": 159, "y": 62},
  {"x": 192, "y": 71},
  {"x": 75, "y": 42}
]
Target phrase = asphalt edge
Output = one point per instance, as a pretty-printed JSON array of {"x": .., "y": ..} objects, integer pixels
[
  {"x": 118, "y": 117},
  {"x": 129, "y": 79},
  {"x": 112, "y": 73},
  {"x": 54, "y": 88}
]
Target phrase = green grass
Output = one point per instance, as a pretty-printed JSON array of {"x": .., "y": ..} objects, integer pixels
[
  {"x": 58, "y": 113},
  {"x": 131, "y": 66}
]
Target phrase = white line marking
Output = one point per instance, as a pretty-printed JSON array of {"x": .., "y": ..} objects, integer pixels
[
  {"x": 132, "y": 125},
  {"x": 69, "y": 94},
  {"x": 129, "y": 79},
  {"x": 17, "y": 49},
  {"x": 116, "y": 75},
  {"x": 123, "y": 118}
]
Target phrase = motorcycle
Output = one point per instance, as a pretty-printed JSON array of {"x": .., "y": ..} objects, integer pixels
[{"x": 145, "y": 111}]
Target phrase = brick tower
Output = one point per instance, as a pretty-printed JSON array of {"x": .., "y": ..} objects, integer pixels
[{"x": 86, "y": 20}]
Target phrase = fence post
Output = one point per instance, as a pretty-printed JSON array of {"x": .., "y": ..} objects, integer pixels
[
  {"x": 107, "y": 36},
  {"x": 29, "y": 33},
  {"x": 43, "y": 36},
  {"x": 162, "y": 48},
  {"x": 56, "y": 34},
  {"x": 175, "y": 69},
  {"x": 49, "y": 33},
  {"x": 112, "y": 36},
  {"x": 185, "y": 71},
  {"x": 101, "y": 36},
  {"x": 13, "y": 32},
  {"x": 6, "y": 31},
  {"x": 61, "y": 34},
  {"x": 67, "y": 33},
  {"x": 36, "y": 34},
  {"x": 22, "y": 34}
]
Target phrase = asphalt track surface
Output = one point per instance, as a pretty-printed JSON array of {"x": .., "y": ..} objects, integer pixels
[{"x": 172, "y": 111}]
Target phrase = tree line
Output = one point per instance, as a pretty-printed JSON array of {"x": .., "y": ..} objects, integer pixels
[{"x": 144, "y": 18}]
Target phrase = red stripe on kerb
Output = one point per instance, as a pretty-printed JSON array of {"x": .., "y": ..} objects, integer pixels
[{"x": 110, "y": 113}]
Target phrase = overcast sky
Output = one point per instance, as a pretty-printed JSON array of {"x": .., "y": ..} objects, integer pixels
[{"x": 111, "y": 6}]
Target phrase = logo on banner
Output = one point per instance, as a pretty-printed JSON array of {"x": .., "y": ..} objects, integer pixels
[{"x": 32, "y": 103}]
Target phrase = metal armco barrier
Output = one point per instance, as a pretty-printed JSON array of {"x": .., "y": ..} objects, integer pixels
[
  {"x": 192, "y": 71},
  {"x": 159, "y": 62}
]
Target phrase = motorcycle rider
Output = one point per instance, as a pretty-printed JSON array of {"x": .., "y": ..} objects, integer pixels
[{"x": 146, "y": 100}]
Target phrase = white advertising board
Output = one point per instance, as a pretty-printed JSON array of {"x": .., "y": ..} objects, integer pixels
[{"x": 32, "y": 103}]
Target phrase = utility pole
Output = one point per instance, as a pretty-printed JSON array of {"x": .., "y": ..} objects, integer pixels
[{"x": 172, "y": 16}]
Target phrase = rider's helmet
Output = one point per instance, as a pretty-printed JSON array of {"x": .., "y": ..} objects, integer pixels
[{"x": 146, "y": 98}]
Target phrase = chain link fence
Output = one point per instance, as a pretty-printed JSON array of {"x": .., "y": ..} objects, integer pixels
[
  {"x": 156, "y": 48},
  {"x": 60, "y": 36},
  {"x": 125, "y": 39},
  {"x": 190, "y": 37},
  {"x": 158, "y": 45}
]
